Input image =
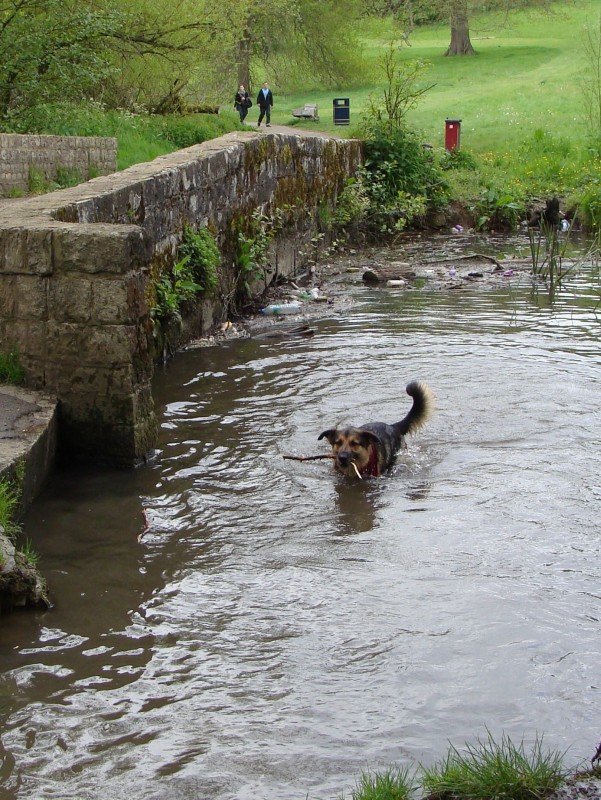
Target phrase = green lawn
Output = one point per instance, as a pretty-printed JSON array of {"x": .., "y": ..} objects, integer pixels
[{"x": 526, "y": 76}]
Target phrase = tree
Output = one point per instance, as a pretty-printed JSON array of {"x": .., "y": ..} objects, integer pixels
[{"x": 460, "y": 30}]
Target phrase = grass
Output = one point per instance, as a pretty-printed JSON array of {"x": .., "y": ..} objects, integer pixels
[
  {"x": 489, "y": 770},
  {"x": 9, "y": 501},
  {"x": 10, "y": 369},
  {"x": 393, "y": 784},
  {"x": 494, "y": 770},
  {"x": 520, "y": 100}
]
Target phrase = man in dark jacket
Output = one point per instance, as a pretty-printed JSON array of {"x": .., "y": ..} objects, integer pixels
[{"x": 265, "y": 101}]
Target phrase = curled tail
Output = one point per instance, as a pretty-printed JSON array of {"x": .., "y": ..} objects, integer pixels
[{"x": 421, "y": 410}]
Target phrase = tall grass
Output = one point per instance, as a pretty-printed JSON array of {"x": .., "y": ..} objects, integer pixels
[{"x": 493, "y": 769}]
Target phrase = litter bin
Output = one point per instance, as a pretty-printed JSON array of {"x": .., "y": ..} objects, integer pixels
[
  {"x": 342, "y": 111},
  {"x": 452, "y": 134}
]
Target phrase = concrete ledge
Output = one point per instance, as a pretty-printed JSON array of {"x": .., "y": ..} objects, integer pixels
[{"x": 28, "y": 425}]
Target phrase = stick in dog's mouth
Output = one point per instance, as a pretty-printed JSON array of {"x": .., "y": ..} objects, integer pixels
[{"x": 354, "y": 466}]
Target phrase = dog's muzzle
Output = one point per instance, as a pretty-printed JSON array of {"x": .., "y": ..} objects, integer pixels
[{"x": 344, "y": 458}]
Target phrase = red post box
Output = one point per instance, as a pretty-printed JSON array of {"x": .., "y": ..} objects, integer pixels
[{"x": 452, "y": 134}]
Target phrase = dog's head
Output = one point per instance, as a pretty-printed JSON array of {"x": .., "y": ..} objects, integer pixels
[{"x": 354, "y": 449}]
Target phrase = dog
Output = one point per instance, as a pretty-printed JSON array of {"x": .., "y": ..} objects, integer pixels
[{"x": 371, "y": 449}]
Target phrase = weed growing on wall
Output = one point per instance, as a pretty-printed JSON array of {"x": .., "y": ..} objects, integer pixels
[
  {"x": 174, "y": 288},
  {"x": 204, "y": 258},
  {"x": 253, "y": 262},
  {"x": 195, "y": 271}
]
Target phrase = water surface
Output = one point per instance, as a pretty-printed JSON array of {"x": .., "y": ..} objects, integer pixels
[{"x": 279, "y": 629}]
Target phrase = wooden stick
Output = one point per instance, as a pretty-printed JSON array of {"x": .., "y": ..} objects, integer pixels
[{"x": 308, "y": 458}]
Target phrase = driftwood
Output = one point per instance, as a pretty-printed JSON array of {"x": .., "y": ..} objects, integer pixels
[
  {"x": 308, "y": 458},
  {"x": 466, "y": 257},
  {"x": 388, "y": 272}
]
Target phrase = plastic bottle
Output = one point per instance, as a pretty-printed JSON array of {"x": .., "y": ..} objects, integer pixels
[{"x": 281, "y": 308}]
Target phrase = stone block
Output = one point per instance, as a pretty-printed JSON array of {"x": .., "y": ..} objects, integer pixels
[
  {"x": 120, "y": 301},
  {"x": 100, "y": 248},
  {"x": 70, "y": 298},
  {"x": 7, "y": 297},
  {"x": 31, "y": 297}
]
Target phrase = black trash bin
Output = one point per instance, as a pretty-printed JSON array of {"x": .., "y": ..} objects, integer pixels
[{"x": 342, "y": 111}]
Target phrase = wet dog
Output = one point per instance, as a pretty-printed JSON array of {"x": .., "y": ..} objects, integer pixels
[{"x": 371, "y": 449}]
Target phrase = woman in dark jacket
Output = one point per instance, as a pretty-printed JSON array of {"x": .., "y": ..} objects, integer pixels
[{"x": 242, "y": 102}]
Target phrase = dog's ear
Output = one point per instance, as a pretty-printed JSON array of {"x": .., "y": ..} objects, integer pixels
[
  {"x": 367, "y": 438},
  {"x": 330, "y": 435}
]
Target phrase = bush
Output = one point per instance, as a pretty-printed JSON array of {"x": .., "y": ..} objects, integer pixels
[{"x": 399, "y": 183}]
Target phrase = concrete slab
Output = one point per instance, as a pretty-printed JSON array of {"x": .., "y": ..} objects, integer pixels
[{"x": 27, "y": 438}]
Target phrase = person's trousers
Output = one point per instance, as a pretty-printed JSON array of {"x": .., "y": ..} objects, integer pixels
[{"x": 265, "y": 112}]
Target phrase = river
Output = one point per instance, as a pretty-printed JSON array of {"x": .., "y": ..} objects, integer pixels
[{"x": 278, "y": 630}]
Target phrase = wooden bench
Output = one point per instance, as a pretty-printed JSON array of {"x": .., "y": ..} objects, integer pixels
[{"x": 308, "y": 111}]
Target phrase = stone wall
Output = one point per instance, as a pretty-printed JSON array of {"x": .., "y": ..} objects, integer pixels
[
  {"x": 23, "y": 157},
  {"x": 77, "y": 266}
]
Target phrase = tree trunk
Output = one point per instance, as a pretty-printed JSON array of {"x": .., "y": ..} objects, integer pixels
[
  {"x": 460, "y": 30},
  {"x": 244, "y": 61}
]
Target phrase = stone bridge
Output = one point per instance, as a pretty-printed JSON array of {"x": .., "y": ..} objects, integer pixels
[{"x": 75, "y": 268}]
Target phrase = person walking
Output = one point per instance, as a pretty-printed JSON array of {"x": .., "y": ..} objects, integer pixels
[
  {"x": 242, "y": 102},
  {"x": 265, "y": 101}
]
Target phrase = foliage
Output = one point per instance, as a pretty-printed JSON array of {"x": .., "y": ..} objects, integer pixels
[
  {"x": 252, "y": 256},
  {"x": 590, "y": 206},
  {"x": 495, "y": 769},
  {"x": 547, "y": 253},
  {"x": 31, "y": 556},
  {"x": 393, "y": 784},
  {"x": 400, "y": 178},
  {"x": 458, "y": 159},
  {"x": 352, "y": 205},
  {"x": 204, "y": 258},
  {"x": 401, "y": 91},
  {"x": 174, "y": 288},
  {"x": 11, "y": 370},
  {"x": 9, "y": 502},
  {"x": 497, "y": 211},
  {"x": 53, "y": 49}
]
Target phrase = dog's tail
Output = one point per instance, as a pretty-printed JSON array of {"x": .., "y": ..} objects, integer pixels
[{"x": 421, "y": 410}]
